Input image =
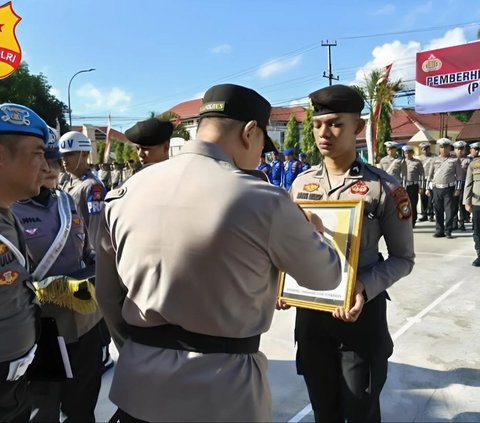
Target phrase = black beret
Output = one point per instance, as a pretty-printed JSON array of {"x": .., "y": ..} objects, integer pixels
[
  {"x": 150, "y": 132},
  {"x": 238, "y": 103},
  {"x": 336, "y": 99}
]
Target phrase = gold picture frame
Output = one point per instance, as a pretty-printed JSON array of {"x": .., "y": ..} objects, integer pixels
[{"x": 343, "y": 225}]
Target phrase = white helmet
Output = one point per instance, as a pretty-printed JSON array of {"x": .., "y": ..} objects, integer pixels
[{"x": 74, "y": 141}]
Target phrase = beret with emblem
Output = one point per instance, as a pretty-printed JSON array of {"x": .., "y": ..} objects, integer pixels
[
  {"x": 18, "y": 119},
  {"x": 288, "y": 152},
  {"x": 444, "y": 141},
  {"x": 238, "y": 103},
  {"x": 336, "y": 99},
  {"x": 150, "y": 132}
]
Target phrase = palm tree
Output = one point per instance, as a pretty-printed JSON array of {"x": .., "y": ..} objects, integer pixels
[{"x": 376, "y": 91}]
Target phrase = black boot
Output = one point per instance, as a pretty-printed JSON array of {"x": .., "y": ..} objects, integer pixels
[{"x": 476, "y": 262}]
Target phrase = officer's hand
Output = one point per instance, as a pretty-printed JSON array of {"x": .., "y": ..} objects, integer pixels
[
  {"x": 353, "y": 314},
  {"x": 428, "y": 192},
  {"x": 280, "y": 305},
  {"x": 468, "y": 208},
  {"x": 456, "y": 193},
  {"x": 315, "y": 220}
]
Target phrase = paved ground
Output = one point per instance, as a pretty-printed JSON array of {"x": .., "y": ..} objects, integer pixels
[{"x": 434, "y": 373}]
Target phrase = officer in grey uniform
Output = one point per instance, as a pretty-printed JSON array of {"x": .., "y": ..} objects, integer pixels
[
  {"x": 413, "y": 180},
  {"x": 104, "y": 174},
  {"x": 23, "y": 135},
  {"x": 392, "y": 163},
  {"x": 187, "y": 271},
  {"x": 343, "y": 356},
  {"x": 426, "y": 157},
  {"x": 58, "y": 244},
  {"x": 152, "y": 139},
  {"x": 116, "y": 175},
  {"x": 461, "y": 216},
  {"x": 445, "y": 181},
  {"x": 471, "y": 197}
]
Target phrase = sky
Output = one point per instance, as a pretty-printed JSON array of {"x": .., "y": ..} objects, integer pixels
[{"x": 150, "y": 55}]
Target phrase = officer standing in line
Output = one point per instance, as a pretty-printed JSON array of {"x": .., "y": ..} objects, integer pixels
[
  {"x": 104, "y": 175},
  {"x": 291, "y": 168},
  {"x": 343, "y": 356},
  {"x": 426, "y": 157},
  {"x": 461, "y": 216},
  {"x": 413, "y": 179},
  {"x": 205, "y": 253},
  {"x": 445, "y": 181},
  {"x": 116, "y": 175},
  {"x": 58, "y": 245},
  {"x": 304, "y": 164},
  {"x": 152, "y": 139},
  {"x": 265, "y": 167},
  {"x": 277, "y": 170},
  {"x": 23, "y": 135},
  {"x": 471, "y": 197},
  {"x": 392, "y": 163}
]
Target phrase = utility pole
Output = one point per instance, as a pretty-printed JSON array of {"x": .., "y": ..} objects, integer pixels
[{"x": 330, "y": 75}]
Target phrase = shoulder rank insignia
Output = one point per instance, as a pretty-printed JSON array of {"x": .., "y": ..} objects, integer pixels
[
  {"x": 3, "y": 249},
  {"x": 359, "y": 188},
  {"x": 116, "y": 193},
  {"x": 311, "y": 187},
  {"x": 402, "y": 201},
  {"x": 8, "y": 277}
]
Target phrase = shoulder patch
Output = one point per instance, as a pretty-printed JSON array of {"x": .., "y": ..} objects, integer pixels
[
  {"x": 115, "y": 194},
  {"x": 402, "y": 201}
]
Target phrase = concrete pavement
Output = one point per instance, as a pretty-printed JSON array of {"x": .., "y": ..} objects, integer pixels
[{"x": 434, "y": 373}]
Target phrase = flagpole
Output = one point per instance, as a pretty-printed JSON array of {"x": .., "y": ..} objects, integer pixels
[{"x": 106, "y": 153}]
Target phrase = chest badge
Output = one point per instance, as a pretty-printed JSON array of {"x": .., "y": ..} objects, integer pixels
[
  {"x": 359, "y": 188},
  {"x": 8, "y": 277},
  {"x": 76, "y": 221},
  {"x": 311, "y": 187}
]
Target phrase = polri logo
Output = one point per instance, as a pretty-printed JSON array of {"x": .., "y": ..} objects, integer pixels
[{"x": 10, "y": 51}]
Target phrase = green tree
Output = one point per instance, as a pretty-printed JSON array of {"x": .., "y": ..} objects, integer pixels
[
  {"x": 179, "y": 129},
  {"x": 292, "y": 138},
  {"x": 373, "y": 92},
  {"x": 118, "y": 148},
  {"x": 33, "y": 91},
  {"x": 314, "y": 156}
]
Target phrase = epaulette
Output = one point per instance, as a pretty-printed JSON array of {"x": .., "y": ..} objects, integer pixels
[{"x": 115, "y": 194}]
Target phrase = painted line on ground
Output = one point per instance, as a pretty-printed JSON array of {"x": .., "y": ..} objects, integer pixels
[{"x": 410, "y": 322}]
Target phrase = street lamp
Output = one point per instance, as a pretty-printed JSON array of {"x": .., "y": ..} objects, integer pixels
[{"x": 71, "y": 79}]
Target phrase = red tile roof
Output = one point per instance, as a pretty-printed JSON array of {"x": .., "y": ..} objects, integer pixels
[
  {"x": 190, "y": 109},
  {"x": 471, "y": 130},
  {"x": 120, "y": 136}
]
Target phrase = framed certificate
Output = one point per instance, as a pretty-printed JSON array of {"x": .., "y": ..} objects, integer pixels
[{"x": 343, "y": 225}]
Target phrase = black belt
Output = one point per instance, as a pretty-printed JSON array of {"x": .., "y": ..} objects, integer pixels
[{"x": 177, "y": 338}]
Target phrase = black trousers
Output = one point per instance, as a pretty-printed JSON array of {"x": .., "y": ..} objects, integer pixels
[
  {"x": 476, "y": 228},
  {"x": 344, "y": 364},
  {"x": 426, "y": 204},
  {"x": 412, "y": 191},
  {"x": 444, "y": 204},
  {"x": 14, "y": 403},
  {"x": 77, "y": 397},
  {"x": 121, "y": 416}
]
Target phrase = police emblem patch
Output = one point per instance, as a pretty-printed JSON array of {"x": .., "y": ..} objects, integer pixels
[
  {"x": 15, "y": 115},
  {"x": 359, "y": 188},
  {"x": 97, "y": 192},
  {"x": 8, "y": 277},
  {"x": 402, "y": 202},
  {"x": 311, "y": 187}
]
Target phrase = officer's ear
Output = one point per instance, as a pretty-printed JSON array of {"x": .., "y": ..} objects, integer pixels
[
  {"x": 360, "y": 125},
  {"x": 248, "y": 133}
]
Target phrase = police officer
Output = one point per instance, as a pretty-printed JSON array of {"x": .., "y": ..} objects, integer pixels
[
  {"x": 116, "y": 175},
  {"x": 191, "y": 265},
  {"x": 392, "y": 163},
  {"x": 461, "y": 216},
  {"x": 343, "y": 355},
  {"x": 445, "y": 181},
  {"x": 304, "y": 164},
  {"x": 277, "y": 169},
  {"x": 426, "y": 157},
  {"x": 104, "y": 175},
  {"x": 471, "y": 197},
  {"x": 265, "y": 167},
  {"x": 58, "y": 245},
  {"x": 23, "y": 135},
  {"x": 152, "y": 139},
  {"x": 291, "y": 168},
  {"x": 413, "y": 180}
]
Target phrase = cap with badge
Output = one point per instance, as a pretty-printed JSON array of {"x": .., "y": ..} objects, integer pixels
[
  {"x": 391, "y": 144},
  {"x": 150, "y": 132},
  {"x": 407, "y": 148},
  {"x": 20, "y": 120},
  {"x": 459, "y": 145},
  {"x": 475, "y": 145},
  {"x": 289, "y": 152},
  {"x": 444, "y": 142},
  {"x": 238, "y": 103},
  {"x": 74, "y": 141},
  {"x": 52, "y": 151},
  {"x": 424, "y": 145},
  {"x": 336, "y": 99}
]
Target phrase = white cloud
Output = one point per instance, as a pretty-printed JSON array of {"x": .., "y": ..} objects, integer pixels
[
  {"x": 55, "y": 92},
  {"x": 198, "y": 95},
  {"x": 275, "y": 66},
  {"x": 388, "y": 9},
  {"x": 403, "y": 56},
  {"x": 114, "y": 99},
  {"x": 221, "y": 49},
  {"x": 300, "y": 102}
]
